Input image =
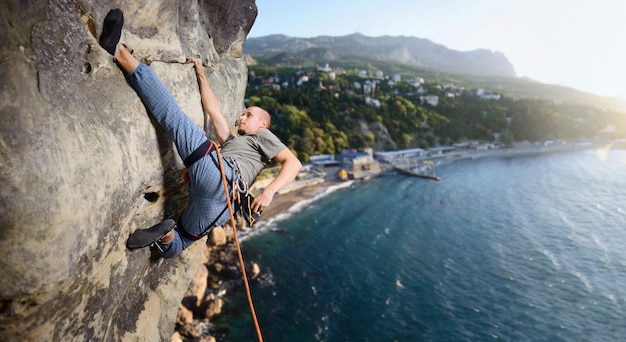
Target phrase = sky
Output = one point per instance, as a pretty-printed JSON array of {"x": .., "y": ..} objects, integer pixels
[{"x": 575, "y": 43}]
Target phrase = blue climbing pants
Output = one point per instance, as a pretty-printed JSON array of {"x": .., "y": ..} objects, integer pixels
[{"x": 207, "y": 199}]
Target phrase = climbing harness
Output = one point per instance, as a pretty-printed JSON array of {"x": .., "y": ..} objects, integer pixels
[
  {"x": 238, "y": 185},
  {"x": 199, "y": 152},
  {"x": 241, "y": 196}
]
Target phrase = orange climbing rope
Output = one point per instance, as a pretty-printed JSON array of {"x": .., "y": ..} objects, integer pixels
[{"x": 232, "y": 222}]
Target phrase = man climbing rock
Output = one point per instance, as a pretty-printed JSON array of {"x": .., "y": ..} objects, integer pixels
[{"x": 242, "y": 157}]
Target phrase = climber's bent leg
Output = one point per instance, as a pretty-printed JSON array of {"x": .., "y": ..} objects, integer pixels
[
  {"x": 206, "y": 209},
  {"x": 161, "y": 104}
]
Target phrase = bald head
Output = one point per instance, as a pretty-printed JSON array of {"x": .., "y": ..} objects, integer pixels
[
  {"x": 264, "y": 115},
  {"x": 253, "y": 119}
]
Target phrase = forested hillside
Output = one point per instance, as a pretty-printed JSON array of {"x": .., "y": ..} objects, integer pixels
[{"x": 321, "y": 110}]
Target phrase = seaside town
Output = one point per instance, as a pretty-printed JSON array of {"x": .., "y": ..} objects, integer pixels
[{"x": 360, "y": 166}]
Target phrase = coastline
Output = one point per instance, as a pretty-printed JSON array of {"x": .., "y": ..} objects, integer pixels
[
  {"x": 307, "y": 190},
  {"x": 284, "y": 203}
]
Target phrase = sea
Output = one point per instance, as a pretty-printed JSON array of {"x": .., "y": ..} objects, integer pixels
[{"x": 527, "y": 248}]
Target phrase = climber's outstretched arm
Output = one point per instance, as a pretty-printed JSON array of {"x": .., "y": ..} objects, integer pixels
[{"x": 210, "y": 104}]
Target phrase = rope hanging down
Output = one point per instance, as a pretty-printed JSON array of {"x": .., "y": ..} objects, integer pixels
[{"x": 232, "y": 222}]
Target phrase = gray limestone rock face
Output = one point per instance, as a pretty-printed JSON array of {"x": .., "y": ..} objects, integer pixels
[{"x": 84, "y": 165}]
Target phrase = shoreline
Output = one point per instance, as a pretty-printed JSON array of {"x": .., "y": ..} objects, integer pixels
[
  {"x": 282, "y": 202},
  {"x": 286, "y": 200}
]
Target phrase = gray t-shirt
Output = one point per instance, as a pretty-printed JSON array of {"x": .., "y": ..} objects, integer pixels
[{"x": 253, "y": 152}]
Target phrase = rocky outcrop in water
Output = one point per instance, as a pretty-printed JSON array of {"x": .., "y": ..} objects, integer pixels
[{"x": 83, "y": 164}]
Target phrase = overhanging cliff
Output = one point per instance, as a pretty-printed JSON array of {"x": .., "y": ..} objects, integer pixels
[{"x": 83, "y": 164}]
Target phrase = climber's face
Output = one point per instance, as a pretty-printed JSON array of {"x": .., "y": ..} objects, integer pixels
[{"x": 252, "y": 120}]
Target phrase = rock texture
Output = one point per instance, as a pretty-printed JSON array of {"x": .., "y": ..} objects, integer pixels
[{"x": 83, "y": 164}]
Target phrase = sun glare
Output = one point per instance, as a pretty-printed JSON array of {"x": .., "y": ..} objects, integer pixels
[{"x": 603, "y": 152}]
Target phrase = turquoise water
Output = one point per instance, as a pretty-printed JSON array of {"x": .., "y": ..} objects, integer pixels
[{"x": 519, "y": 249}]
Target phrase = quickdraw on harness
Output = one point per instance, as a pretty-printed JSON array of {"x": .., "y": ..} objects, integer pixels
[
  {"x": 242, "y": 196},
  {"x": 239, "y": 186}
]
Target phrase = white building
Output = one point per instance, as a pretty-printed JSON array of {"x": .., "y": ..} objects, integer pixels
[
  {"x": 303, "y": 79},
  {"x": 487, "y": 96},
  {"x": 395, "y": 156},
  {"x": 367, "y": 88},
  {"x": 432, "y": 100},
  {"x": 326, "y": 68},
  {"x": 373, "y": 102}
]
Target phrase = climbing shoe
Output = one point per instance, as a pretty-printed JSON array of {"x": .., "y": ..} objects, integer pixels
[
  {"x": 112, "y": 30},
  {"x": 146, "y": 237}
]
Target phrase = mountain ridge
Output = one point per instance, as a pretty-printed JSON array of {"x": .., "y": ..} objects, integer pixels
[{"x": 404, "y": 49}]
